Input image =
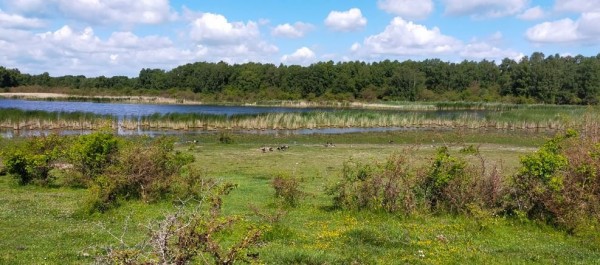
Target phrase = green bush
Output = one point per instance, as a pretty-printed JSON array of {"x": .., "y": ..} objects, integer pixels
[
  {"x": 448, "y": 184},
  {"x": 30, "y": 161},
  {"x": 142, "y": 170},
  {"x": 91, "y": 154},
  {"x": 560, "y": 183},
  {"x": 390, "y": 186},
  {"x": 444, "y": 171}
]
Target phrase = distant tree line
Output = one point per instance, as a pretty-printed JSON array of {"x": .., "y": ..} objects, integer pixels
[{"x": 536, "y": 78}]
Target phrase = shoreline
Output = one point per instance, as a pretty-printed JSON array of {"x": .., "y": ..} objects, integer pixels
[{"x": 423, "y": 106}]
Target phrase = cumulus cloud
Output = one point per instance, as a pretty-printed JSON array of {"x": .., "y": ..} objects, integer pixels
[
  {"x": 407, "y": 8},
  {"x": 488, "y": 49},
  {"x": 80, "y": 51},
  {"x": 351, "y": 20},
  {"x": 302, "y": 56},
  {"x": 484, "y": 8},
  {"x": 578, "y": 6},
  {"x": 404, "y": 38},
  {"x": 232, "y": 41},
  {"x": 584, "y": 29},
  {"x": 15, "y": 21},
  {"x": 297, "y": 30},
  {"x": 533, "y": 13},
  {"x": 101, "y": 11},
  {"x": 215, "y": 29}
]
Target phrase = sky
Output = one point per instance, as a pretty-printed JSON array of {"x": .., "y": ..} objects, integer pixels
[{"x": 120, "y": 37}]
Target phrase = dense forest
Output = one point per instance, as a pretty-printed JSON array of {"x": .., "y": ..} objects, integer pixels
[{"x": 533, "y": 79}]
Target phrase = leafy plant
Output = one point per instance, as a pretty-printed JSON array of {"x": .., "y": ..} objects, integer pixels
[
  {"x": 32, "y": 160},
  {"x": 143, "y": 170},
  {"x": 91, "y": 154},
  {"x": 445, "y": 170},
  {"x": 287, "y": 188},
  {"x": 558, "y": 184}
]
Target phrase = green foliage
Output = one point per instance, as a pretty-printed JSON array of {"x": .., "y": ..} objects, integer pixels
[
  {"x": 31, "y": 160},
  {"x": 556, "y": 184},
  {"x": 144, "y": 169},
  {"x": 91, "y": 154},
  {"x": 444, "y": 169},
  {"x": 448, "y": 184},
  {"x": 390, "y": 187}
]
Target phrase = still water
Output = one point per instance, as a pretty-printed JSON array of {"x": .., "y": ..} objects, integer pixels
[{"x": 136, "y": 110}]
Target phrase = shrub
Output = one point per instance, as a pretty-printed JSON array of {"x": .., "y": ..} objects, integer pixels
[
  {"x": 32, "y": 160},
  {"x": 143, "y": 170},
  {"x": 445, "y": 171},
  {"x": 191, "y": 236},
  {"x": 449, "y": 183},
  {"x": 560, "y": 183},
  {"x": 389, "y": 187},
  {"x": 287, "y": 188},
  {"x": 91, "y": 154}
]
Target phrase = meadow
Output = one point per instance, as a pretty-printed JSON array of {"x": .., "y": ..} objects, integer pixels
[{"x": 45, "y": 224}]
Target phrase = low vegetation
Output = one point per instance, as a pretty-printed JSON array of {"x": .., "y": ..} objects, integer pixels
[{"x": 431, "y": 202}]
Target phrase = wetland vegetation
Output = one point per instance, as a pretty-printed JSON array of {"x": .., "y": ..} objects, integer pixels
[{"x": 426, "y": 197}]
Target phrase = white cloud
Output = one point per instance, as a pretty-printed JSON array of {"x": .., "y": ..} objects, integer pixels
[
  {"x": 584, "y": 29},
  {"x": 215, "y": 29},
  {"x": 216, "y": 37},
  {"x": 18, "y": 21},
  {"x": 80, "y": 51},
  {"x": 29, "y": 6},
  {"x": 578, "y": 6},
  {"x": 407, "y": 8},
  {"x": 302, "y": 56},
  {"x": 351, "y": 20},
  {"x": 588, "y": 25},
  {"x": 533, "y": 13},
  {"x": 101, "y": 11},
  {"x": 564, "y": 30},
  {"x": 298, "y": 30},
  {"x": 484, "y": 8},
  {"x": 480, "y": 50},
  {"x": 406, "y": 38}
]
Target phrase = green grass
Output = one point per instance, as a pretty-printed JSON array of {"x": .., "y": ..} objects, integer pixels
[{"x": 42, "y": 225}]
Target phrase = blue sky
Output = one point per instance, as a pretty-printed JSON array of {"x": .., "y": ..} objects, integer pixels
[{"x": 120, "y": 37}]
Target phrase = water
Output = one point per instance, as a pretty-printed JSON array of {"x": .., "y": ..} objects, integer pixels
[
  {"x": 136, "y": 110},
  {"x": 122, "y": 110}
]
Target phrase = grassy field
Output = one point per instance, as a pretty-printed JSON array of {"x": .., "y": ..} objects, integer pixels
[{"x": 43, "y": 225}]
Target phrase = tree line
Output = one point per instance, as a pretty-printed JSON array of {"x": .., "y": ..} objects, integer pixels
[{"x": 537, "y": 78}]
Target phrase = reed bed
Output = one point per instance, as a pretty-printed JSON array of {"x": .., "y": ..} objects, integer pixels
[
  {"x": 517, "y": 119},
  {"x": 531, "y": 117},
  {"x": 16, "y": 119}
]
